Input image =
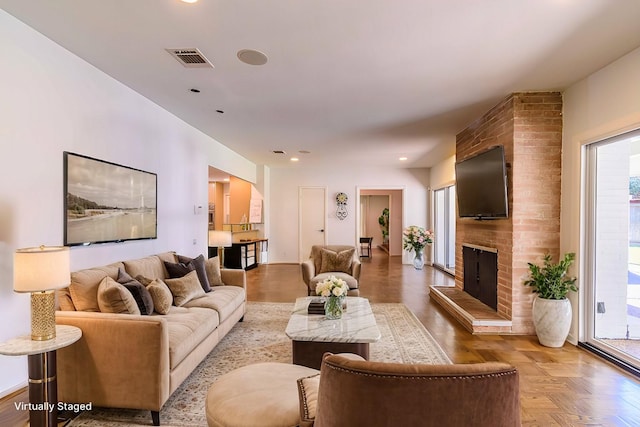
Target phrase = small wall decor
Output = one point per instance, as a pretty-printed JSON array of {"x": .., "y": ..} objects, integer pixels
[{"x": 341, "y": 201}]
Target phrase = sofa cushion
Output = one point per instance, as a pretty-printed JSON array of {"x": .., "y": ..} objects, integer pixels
[
  {"x": 151, "y": 267},
  {"x": 84, "y": 285},
  {"x": 185, "y": 288},
  {"x": 212, "y": 268},
  {"x": 198, "y": 264},
  {"x": 336, "y": 261},
  {"x": 188, "y": 327},
  {"x": 139, "y": 292},
  {"x": 161, "y": 296},
  {"x": 223, "y": 299},
  {"x": 113, "y": 297}
]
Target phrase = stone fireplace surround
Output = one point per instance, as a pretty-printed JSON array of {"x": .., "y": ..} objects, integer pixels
[{"x": 529, "y": 126}]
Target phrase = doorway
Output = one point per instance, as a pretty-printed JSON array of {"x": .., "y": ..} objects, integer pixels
[
  {"x": 394, "y": 198},
  {"x": 312, "y": 219},
  {"x": 612, "y": 255}
]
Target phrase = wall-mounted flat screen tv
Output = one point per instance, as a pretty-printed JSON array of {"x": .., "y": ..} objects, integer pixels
[
  {"x": 481, "y": 185},
  {"x": 106, "y": 202}
]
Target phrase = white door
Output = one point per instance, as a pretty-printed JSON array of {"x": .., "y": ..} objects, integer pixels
[{"x": 312, "y": 219}]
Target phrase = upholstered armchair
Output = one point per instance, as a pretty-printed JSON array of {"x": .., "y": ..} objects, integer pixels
[
  {"x": 352, "y": 392},
  {"x": 341, "y": 261}
]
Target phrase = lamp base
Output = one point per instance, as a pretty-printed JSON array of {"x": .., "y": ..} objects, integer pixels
[
  {"x": 221, "y": 256},
  {"x": 43, "y": 316}
]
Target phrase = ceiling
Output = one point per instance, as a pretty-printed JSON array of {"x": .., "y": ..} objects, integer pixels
[{"x": 344, "y": 78}]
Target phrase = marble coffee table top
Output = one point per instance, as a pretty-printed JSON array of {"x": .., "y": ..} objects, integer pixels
[{"x": 357, "y": 325}]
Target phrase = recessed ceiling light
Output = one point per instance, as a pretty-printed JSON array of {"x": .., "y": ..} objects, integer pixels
[
  {"x": 252, "y": 57},
  {"x": 194, "y": 90},
  {"x": 189, "y": 1},
  {"x": 294, "y": 159},
  {"x": 402, "y": 159}
]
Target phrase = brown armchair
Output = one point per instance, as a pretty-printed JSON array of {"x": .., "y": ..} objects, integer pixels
[
  {"x": 341, "y": 261},
  {"x": 351, "y": 392}
]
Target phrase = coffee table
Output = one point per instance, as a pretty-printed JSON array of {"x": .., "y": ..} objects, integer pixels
[{"x": 312, "y": 334}]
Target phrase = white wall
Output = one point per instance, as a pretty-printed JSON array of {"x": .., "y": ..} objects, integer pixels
[
  {"x": 604, "y": 104},
  {"x": 444, "y": 173},
  {"x": 52, "y": 101},
  {"x": 283, "y": 228}
]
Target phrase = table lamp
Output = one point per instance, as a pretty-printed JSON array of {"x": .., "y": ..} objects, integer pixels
[
  {"x": 40, "y": 271},
  {"x": 220, "y": 239}
]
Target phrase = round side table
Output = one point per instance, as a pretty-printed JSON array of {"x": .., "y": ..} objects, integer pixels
[{"x": 43, "y": 387}]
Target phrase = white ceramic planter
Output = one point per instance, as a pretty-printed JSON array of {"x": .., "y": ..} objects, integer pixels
[{"x": 552, "y": 320}]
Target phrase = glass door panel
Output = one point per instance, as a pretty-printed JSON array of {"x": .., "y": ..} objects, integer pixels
[
  {"x": 613, "y": 279},
  {"x": 444, "y": 228}
]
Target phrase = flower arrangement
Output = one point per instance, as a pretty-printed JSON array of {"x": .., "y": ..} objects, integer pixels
[
  {"x": 332, "y": 286},
  {"x": 415, "y": 238}
]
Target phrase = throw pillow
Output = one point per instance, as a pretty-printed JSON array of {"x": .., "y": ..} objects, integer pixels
[
  {"x": 199, "y": 265},
  {"x": 161, "y": 295},
  {"x": 212, "y": 267},
  {"x": 115, "y": 298},
  {"x": 308, "y": 397},
  {"x": 144, "y": 280},
  {"x": 139, "y": 292},
  {"x": 185, "y": 288},
  {"x": 177, "y": 270},
  {"x": 336, "y": 261}
]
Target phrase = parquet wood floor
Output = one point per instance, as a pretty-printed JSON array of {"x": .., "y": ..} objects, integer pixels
[{"x": 559, "y": 387}]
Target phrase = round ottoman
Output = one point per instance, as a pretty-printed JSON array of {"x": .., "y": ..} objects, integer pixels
[{"x": 262, "y": 394}]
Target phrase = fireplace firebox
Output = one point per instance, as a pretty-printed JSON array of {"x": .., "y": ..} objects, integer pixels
[{"x": 480, "y": 266}]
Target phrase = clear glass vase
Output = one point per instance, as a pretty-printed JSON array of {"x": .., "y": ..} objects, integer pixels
[
  {"x": 333, "y": 307},
  {"x": 418, "y": 260}
]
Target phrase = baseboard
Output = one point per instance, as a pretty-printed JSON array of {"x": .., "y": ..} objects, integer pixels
[{"x": 18, "y": 388}]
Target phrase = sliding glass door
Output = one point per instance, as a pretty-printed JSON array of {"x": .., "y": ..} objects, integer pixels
[
  {"x": 612, "y": 285},
  {"x": 444, "y": 228}
]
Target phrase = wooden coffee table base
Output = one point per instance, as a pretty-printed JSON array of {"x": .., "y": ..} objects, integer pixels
[{"x": 309, "y": 353}]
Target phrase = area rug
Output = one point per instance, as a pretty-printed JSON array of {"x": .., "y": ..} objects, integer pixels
[{"x": 261, "y": 338}]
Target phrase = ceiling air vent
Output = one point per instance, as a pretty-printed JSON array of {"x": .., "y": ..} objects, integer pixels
[
  {"x": 278, "y": 152},
  {"x": 190, "y": 58}
]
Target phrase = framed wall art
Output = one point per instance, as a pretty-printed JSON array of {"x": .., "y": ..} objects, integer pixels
[{"x": 106, "y": 202}]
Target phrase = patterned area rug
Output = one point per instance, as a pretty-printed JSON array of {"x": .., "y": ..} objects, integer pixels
[{"x": 261, "y": 338}]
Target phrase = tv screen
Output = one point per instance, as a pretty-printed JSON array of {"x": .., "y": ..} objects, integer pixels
[
  {"x": 481, "y": 185},
  {"x": 106, "y": 202}
]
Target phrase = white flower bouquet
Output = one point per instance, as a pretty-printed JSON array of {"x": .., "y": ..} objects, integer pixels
[{"x": 332, "y": 286}]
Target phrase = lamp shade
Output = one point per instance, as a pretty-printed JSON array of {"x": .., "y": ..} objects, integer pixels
[
  {"x": 219, "y": 238},
  {"x": 41, "y": 269}
]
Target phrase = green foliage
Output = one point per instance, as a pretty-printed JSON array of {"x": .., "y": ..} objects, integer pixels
[
  {"x": 551, "y": 281},
  {"x": 383, "y": 220}
]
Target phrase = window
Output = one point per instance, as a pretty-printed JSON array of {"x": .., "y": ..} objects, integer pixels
[{"x": 444, "y": 228}]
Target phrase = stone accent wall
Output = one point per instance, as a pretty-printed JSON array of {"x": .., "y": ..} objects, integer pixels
[{"x": 529, "y": 126}]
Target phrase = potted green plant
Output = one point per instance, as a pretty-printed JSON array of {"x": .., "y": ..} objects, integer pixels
[
  {"x": 551, "y": 308},
  {"x": 383, "y": 220}
]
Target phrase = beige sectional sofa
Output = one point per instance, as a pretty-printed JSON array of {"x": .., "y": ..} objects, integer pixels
[{"x": 138, "y": 361}]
